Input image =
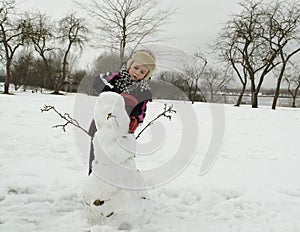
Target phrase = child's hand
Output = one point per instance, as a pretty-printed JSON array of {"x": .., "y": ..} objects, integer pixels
[{"x": 133, "y": 124}]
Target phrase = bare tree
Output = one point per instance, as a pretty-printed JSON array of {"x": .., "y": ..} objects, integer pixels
[
  {"x": 42, "y": 35},
  {"x": 124, "y": 23},
  {"x": 72, "y": 31},
  {"x": 244, "y": 43},
  {"x": 292, "y": 77},
  {"x": 215, "y": 81},
  {"x": 262, "y": 37},
  {"x": 193, "y": 72},
  {"x": 174, "y": 77},
  {"x": 284, "y": 27},
  {"x": 21, "y": 69},
  {"x": 293, "y": 88},
  {"x": 231, "y": 52},
  {"x": 107, "y": 62},
  {"x": 169, "y": 85},
  {"x": 12, "y": 36}
]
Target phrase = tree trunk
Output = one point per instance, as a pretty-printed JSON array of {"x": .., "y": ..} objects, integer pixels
[
  {"x": 193, "y": 97},
  {"x": 275, "y": 99},
  {"x": 254, "y": 93},
  {"x": 122, "y": 49},
  {"x": 48, "y": 72},
  {"x": 294, "y": 94},
  {"x": 294, "y": 102},
  {"x": 56, "y": 85},
  {"x": 211, "y": 95},
  {"x": 277, "y": 91},
  {"x": 6, "y": 86},
  {"x": 238, "y": 103},
  {"x": 254, "y": 99},
  {"x": 8, "y": 78}
]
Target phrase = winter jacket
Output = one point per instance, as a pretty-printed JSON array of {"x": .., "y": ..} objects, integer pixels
[{"x": 114, "y": 82}]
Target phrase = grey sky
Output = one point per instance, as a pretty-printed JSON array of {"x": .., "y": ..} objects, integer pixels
[{"x": 196, "y": 23}]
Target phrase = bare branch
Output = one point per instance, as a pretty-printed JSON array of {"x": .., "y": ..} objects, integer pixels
[
  {"x": 66, "y": 117},
  {"x": 123, "y": 24},
  {"x": 168, "y": 111}
]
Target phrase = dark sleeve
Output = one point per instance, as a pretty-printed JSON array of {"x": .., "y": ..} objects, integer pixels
[
  {"x": 111, "y": 79},
  {"x": 97, "y": 86},
  {"x": 139, "y": 111}
]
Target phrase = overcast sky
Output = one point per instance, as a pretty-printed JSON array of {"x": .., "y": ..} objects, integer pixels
[{"x": 196, "y": 23}]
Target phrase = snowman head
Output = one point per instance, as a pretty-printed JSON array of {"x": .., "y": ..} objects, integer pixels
[{"x": 110, "y": 112}]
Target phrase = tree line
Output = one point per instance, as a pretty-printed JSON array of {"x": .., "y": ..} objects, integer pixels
[
  {"x": 45, "y": 49},
  {"x": 262, "y": 39},
  {"x": 259, "y": 42},
  {"x": 41, "y": 45}
]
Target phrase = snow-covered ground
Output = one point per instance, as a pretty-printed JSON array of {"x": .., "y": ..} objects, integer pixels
[{"x": 253, "y": 186}]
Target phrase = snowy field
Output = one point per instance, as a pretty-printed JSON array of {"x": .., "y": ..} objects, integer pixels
[{"x": 253, "y": 186}]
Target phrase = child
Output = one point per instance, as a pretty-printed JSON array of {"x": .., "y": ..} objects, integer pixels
[{"x": 132, "y": 82}]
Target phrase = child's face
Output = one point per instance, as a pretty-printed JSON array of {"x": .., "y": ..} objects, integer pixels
[{"x": 137, "y": 71}]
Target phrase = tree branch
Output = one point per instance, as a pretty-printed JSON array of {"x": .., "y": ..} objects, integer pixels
[
  {"x": 66, "y": 117},
  {"x": 166, "y": 113}
]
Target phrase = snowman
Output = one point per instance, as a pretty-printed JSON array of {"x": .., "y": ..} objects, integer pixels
[{"x": 114, "y": 193}]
